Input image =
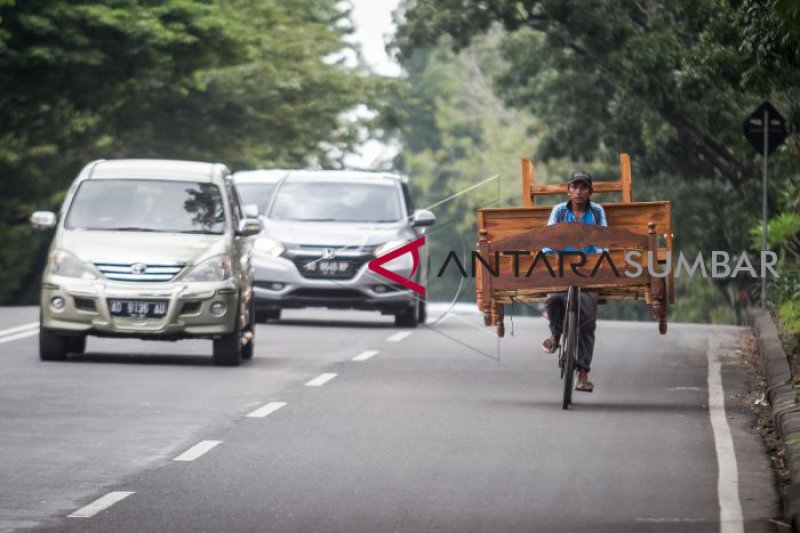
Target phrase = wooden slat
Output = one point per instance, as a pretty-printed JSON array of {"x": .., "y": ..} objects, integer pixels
[
  {"x": 625, "y": 178},
  {"x": 527, "y": 182},
  {"x": 573, "y": 235},
  {"x": 561, "y": 188}
]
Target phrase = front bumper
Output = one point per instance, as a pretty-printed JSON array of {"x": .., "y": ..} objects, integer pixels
[
  {"x": 188, "y": 308},
  {"x": 279, "y": 284}
]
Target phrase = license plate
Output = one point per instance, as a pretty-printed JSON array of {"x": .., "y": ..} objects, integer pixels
[
  {"x": 137, "y": 308},
  {"x": 327, "y": 267}
]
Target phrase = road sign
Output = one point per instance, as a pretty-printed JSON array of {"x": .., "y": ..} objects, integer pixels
[
  {"x": 766, "y": 130},
  {"x": 754, "y": 128}
]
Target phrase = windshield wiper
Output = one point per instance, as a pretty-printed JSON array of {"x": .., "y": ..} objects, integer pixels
[{"x": 134, "y": 228}]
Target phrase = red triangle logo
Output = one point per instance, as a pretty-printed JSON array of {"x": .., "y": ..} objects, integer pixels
[{"x": 413, "y": 249}]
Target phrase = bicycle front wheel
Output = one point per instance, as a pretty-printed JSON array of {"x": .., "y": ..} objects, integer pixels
[{"x": 570, "y": 343}]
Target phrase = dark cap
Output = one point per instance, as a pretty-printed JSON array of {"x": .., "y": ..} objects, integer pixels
[{"x": 580, "y": 176}]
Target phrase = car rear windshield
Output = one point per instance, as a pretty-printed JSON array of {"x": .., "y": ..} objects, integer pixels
[
  {"x": 256, "y": 194},
  {"x": 315, "y": 201},
  {"x": 147, "y": 205}
]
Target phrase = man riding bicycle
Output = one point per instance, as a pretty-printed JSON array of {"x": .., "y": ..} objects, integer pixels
[{"x": 579, "y": 209}]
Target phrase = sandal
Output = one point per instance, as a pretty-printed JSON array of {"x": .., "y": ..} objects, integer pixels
[
  {"x": 584, "y": 385},
  {"x": 550, "y": 345}
]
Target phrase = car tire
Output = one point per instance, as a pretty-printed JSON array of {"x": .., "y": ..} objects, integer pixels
[
  {"x": 228, "y": 348},
  {"x": 52, "y": 347},
  {"x": 407, "y": 319},
  {"x": 76, "y": 344},
  {"x": 269, "y": 314},
  {"x": 422, "y": 312},
  {"x": 249, "y": 349}
]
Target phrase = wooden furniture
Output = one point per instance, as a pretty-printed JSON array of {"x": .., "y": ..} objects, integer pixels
[{"x": 511, "y": 239}]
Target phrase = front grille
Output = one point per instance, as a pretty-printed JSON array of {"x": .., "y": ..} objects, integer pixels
[
  {"x": 325, "y": 294},
  {"x": 85, "y": 304},
  {"x": 191, "y": 308},
  {"x": 139, "y": 271}
]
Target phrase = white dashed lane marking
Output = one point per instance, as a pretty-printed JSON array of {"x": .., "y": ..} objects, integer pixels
[
  {"x": 267, "y": 409},
  {"x": 100, "y": 504},
  {"x": 400, "y": 335},
  {"x": 19, "y": 332},
  {"x": 198, "y": 450},
  {"x": 321, "y": 380},
  {"x": 363, "y": 356}
]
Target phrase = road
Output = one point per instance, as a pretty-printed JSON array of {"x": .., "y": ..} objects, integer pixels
[{"x": 441, "y": 428}]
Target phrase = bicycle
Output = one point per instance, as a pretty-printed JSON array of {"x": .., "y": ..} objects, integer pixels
[{"x": 568, "y": 348}]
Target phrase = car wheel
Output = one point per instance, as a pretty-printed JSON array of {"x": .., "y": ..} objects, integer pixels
[
  {"x": 249, "y": 349},
  {"x": 228, "y": 348},
  {"x": 406, "y": 319},
  {"x": 269, "y": 314},
  {"x": 76, "y": 344},
  {"x": 422, "y": 314},
  {"x": 52, "y": 347}
]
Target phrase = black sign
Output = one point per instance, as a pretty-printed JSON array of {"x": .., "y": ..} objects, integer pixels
[{"x": 754, "y": 128}]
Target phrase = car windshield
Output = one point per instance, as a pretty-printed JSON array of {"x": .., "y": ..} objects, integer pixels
[
  {"x": 147, "y": 205},
  {"x": 256, "y": 194},
  {"x": 319, "y": 201}
]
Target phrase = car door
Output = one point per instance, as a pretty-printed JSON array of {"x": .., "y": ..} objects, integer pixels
[{"x": 242, "y": 245}]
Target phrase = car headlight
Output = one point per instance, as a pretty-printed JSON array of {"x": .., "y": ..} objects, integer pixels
[
  {"x": 63, "y": 263},
  {"x": 388, "y": 247},
  {"x": 269, "y": 247},
  {"x": 217, "y": 268}
]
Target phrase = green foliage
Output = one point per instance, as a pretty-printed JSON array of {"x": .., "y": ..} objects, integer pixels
[
  {"x": 668, "y": 82},
  {"x": 783, "y": 233},
  {"x": 247, "y": 82},
  {"x": 789, "y": 315}
]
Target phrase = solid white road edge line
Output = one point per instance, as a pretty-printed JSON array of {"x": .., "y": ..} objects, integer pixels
[
  {"x": 321, "y": 380},
  {"x": 363, "y": 356},
  {"x": 23, "y": 327},
  {"x": 19, "y": 336},
  {"x": 730, "y": 509},
  {"x": 198, "y": 450},
  {"x": 266, "y": 409},
  {"x": 400, "y": 335},
  {"x": 100, "y": 504}
]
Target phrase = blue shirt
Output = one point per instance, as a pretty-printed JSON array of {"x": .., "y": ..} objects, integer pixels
[{"x": 563, "y": 213}]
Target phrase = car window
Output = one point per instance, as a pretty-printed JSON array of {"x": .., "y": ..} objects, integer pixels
[
  {"x": 337, "y": 202},
  {"x": 147, "y": 205},
  {"x": 258, "y": 194}
]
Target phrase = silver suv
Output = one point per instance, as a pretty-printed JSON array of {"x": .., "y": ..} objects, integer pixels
[
  {"x": 322, "y": 228},
  {"x": 149, "y": 249}
]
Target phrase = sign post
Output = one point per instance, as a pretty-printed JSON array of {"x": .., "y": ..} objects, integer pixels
[{"x": 765, "y": 128}]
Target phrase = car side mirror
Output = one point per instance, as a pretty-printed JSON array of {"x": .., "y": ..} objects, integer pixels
[
  {"x": 251, "y": 210},
  {"x": 249, "y": 226},
  {"x": 422, "y": 217},
  {"x": 43, "y": 220}
]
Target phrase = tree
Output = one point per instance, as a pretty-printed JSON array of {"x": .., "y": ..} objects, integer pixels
[
  {"x": 668, "y": 82},
  {"x": 247, "y": 82}
]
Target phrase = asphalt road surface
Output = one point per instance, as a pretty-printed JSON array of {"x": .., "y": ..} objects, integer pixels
[{"x": 441, "y": 428}]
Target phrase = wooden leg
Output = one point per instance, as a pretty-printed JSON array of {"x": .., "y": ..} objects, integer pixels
[{"x": 501, "y": 315}]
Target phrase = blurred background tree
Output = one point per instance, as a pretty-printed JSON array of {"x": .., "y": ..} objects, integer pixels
[
  {"x": 250, "y": 83},
  {"x": 670, "y": 83}
]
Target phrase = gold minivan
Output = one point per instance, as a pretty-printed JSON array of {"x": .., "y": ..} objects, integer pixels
[{"x": 149, "y": 249}]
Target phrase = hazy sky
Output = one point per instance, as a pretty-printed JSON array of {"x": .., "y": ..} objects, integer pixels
[
  {"x": 374, "y": 26},
  {"x": 373, "y": 20}
]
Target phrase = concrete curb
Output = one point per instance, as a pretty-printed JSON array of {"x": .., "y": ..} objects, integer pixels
[{"x": 785, "y": 410}]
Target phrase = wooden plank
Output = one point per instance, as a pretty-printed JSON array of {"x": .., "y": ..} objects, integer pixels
[
  {"x": 527, "y": 182},
  {"x": 626, "y": 178},
  {"x": 575, "y": 235},
  {"x": 561, "y": 188}
]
